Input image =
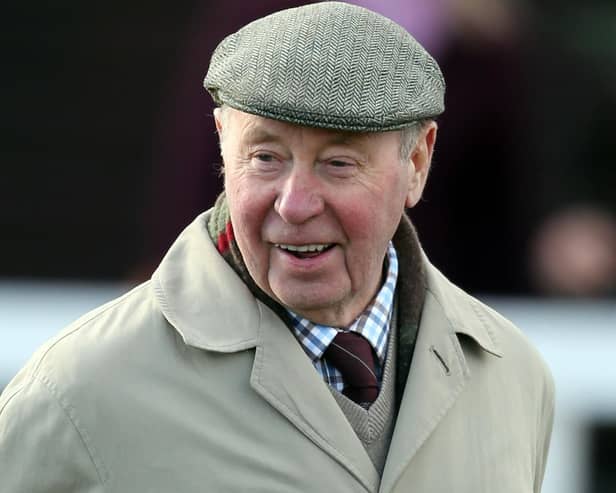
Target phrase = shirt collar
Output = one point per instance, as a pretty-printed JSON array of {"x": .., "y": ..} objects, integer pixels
[{"x": 373, "y": 323}]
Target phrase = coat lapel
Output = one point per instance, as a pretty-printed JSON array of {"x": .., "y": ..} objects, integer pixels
[
  {"x": 438, "y": 372},
  {"x": 285, "y": 377},
  {"x": 437, "y": 376}
]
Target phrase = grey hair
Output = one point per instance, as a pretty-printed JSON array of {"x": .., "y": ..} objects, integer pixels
[
  {"x": 223, "y": 116},
  {"x": 409, "y": 136}
]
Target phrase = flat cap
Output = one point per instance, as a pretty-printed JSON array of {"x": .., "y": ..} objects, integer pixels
[{"x": 329, "y": 65}]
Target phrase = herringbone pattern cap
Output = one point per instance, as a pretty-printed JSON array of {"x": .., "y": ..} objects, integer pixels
[{"x": 330, "y": 65}]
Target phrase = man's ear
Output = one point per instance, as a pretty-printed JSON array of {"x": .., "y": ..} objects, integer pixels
[{"x": 419, "y": 163}]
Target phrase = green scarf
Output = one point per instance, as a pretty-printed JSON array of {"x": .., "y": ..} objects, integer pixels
[{"x": 410, "y": 292}]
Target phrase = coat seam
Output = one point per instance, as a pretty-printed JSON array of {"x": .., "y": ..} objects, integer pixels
[
  {"x": 68, "y": 409},
  {"x": 95, "y": 315},
  {"x": 481, "y": 316},
  {"x": 11, "y": 397}
]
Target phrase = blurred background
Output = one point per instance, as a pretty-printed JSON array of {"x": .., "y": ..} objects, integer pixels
[{"x": 109, "y": 151}]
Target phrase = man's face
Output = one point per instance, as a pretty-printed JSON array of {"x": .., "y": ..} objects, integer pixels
[{"x": 313, "y": 210}]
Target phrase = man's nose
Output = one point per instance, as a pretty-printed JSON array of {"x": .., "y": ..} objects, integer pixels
[{"x": 299, "y": 198}]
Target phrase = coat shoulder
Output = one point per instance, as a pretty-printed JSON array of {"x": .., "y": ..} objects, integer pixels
[
  {"x": 94, "y": 345},
  {"x": 51, "y": 406}
]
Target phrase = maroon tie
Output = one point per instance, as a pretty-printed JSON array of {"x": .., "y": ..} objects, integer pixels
[{"x": 353, "y": 356}]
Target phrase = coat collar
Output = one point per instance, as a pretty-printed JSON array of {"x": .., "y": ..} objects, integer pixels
[
  {"x": 202, "y": 297},
  {"x": 466, "y": 315}
]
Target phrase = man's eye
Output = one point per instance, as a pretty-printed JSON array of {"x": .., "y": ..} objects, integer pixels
[
  {"x": 341, "y": 168},
  {"x": 266, "y": 158},
  {"x": 340, "y": 164}
]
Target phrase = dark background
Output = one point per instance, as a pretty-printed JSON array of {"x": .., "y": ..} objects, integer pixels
[
  {"x": 82, "y": 91},
  {"x": 108, "y": 146}
]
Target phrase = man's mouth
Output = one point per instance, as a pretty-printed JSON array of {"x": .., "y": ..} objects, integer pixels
[{"x": 305, "y": 251}]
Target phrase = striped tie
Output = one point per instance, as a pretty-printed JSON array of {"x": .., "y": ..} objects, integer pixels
[{"x": 353, "y": 356}]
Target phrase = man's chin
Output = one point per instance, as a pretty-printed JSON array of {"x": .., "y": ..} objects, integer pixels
[
  {"x": 314, "y": 308},
  {"x": 322, "y": 308}
]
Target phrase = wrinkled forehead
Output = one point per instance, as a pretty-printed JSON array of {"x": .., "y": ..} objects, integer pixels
[{"x": 253, "y": 129}]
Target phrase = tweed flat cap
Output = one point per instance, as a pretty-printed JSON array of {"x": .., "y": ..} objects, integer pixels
[{"x": 329, "y": 65}]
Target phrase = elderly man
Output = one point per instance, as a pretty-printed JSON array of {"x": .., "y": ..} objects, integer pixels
[{"x": 295, "y": 337}]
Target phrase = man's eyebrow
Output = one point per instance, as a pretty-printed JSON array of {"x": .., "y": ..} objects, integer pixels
[
  {"x": 358, "y": 140},
  {"x": 256, "y": 135},
  {"x": 347, "y": 138}
]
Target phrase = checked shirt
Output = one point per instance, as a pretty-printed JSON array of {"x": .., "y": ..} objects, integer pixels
[{"x": 373, "y": 324}]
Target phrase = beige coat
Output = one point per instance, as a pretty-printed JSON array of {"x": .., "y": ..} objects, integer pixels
[{"x": 189, "y": 384}]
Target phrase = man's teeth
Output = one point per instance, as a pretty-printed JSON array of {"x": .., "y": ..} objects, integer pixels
[{"x": 316, "y": 247}]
